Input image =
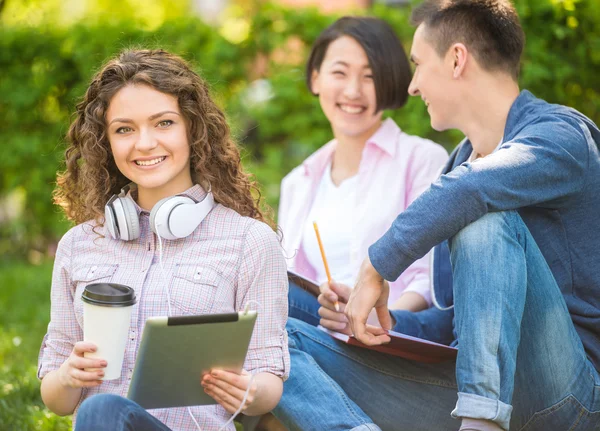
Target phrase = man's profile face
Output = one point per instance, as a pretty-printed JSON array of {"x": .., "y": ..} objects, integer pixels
[{"x": 433, "y": 81}]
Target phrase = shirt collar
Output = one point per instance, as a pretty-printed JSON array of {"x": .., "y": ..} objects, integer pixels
[
  {"x": 384, "y": 138},
  {"x": 516, "y": 112}
]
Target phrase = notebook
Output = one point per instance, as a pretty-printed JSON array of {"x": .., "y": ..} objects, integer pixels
[
  {"x": 305, "y": 283},
  {"x": 405, "y": 346}
]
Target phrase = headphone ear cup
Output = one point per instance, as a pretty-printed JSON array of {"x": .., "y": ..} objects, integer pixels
[
  {"x": 161, "y": 213},
  {"x": 184, "y": 219},
  {"x": 131, "y": 217},
  {"x": 110, "y": 221}
]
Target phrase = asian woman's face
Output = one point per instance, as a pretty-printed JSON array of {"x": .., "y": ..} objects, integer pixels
[
  {"x": 148, "y": 139},
  {"x": 344, "y": 84}
]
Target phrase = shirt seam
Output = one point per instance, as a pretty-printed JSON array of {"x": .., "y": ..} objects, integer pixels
[{"x": 240, "y": 258}]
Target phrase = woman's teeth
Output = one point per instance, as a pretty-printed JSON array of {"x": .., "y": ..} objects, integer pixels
[
  {"x": 149, "y": 162},
  {"x": 352, "y": 109}
]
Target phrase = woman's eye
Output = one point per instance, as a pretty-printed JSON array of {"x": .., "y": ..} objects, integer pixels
[
  {"x": 338, "y": 72},
  {"x": 368, "y": 76},
  {"x": 122, "y": 130},
  {"x": 165, "y": 123}
]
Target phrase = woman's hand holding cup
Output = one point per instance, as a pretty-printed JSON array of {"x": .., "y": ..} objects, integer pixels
[
  {"x": 80, "y": 372},
  {"x": 332, "y": 293}
]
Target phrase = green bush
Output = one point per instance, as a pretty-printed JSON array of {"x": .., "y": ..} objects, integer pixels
[{"x": 45, "y": 70}]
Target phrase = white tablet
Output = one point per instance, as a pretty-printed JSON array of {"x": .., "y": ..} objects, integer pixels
[{"x": 175, "y": 352}]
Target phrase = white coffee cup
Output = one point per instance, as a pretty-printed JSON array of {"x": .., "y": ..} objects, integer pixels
[{"x": 106, "y": 319}]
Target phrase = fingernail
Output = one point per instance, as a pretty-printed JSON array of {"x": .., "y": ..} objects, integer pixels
[{"x": 103, "y": 364}]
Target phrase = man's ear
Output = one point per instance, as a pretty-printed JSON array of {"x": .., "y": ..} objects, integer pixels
[
  {"x": 314, "y": 82},
  {"x": 460, "y": 56}
]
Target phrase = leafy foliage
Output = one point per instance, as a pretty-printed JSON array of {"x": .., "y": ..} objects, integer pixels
[{"x": 46, "y": 69}]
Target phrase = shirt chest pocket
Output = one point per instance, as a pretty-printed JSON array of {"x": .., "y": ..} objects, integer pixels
[
  {"x": 194, "y": 289},
  {"x": 88, "y": 274}
]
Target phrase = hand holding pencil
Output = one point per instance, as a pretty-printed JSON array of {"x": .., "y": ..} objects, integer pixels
[{"x": 336, "y": 304}]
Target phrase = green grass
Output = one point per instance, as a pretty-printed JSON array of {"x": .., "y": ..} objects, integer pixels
[{"x": 24, "y": 315}]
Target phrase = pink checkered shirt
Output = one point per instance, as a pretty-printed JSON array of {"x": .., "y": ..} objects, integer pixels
[{"x": 226, "y": 262}]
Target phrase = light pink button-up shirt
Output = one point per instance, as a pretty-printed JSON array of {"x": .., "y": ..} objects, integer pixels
[
  {"x": 395, "y": 168},
  {"x": 226, "y": 262}
]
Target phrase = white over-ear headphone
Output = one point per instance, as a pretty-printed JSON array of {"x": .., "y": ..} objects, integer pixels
[{"x": 171, "y": 218}]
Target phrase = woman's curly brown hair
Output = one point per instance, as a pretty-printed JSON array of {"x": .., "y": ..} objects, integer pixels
[{"x": 91, "y": 174}]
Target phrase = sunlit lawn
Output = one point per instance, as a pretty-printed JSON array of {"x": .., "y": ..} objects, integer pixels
[{"x": 24, "y": 314}]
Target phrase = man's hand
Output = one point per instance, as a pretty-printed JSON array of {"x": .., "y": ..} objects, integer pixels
[
  {"x": 371, "y": 291},
  {"x": 331, "y": 318}
]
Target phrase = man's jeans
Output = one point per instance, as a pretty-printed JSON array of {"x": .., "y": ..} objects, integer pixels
[
  {"x": 111, "y": 412},
  {"x": 520, "y": 360}
]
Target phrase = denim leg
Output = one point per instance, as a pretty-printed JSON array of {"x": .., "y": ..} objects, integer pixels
[
  {"x": 335, "y": 387},
  {"x": 303, "y": 305},
  {"x": 517, "y": 346},
  {"x": 111, "y": 412}
]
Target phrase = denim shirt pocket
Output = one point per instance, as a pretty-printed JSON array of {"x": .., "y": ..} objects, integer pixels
[
  {"x": 88, "y": 274},
  {"x": 194, "y": 288}
]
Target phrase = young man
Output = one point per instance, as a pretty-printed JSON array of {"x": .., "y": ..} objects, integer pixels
[{"x": 518, "y": 206}]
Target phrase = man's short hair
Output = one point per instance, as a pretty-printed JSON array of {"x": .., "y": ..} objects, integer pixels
[
  {"x": 387, "y": 59},
  {"x": 490, "y": 29}
]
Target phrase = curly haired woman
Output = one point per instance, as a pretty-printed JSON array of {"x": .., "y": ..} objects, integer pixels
[{"x": 145, "y": 131}]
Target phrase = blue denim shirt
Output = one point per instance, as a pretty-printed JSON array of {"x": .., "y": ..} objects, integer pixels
[{"x": 548, "y": 169}]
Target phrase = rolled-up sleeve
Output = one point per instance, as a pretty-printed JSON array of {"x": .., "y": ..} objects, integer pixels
[
  {"x": 262, "y": 279},
  {"x": 63, "y": 330}
]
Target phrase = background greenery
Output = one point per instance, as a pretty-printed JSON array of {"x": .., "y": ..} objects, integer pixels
[{"x": 47, "y": 59}]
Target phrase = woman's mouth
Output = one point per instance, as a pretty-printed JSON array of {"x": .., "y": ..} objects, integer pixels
[
  {"x": 352, "y": 109},
  {"x": 150, "y": 162}
]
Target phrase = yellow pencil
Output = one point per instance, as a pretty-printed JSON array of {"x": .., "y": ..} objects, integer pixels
[{"x": 336, "y": 305}]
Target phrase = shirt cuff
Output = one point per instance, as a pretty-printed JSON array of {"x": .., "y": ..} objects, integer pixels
[{"x": 387, "y": 260}]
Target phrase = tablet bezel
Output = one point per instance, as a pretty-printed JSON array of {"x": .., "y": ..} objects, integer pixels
[{"x": 176, "y": 351}]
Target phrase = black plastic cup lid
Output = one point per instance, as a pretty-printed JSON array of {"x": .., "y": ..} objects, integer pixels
[{"x": 108, "y": 295}]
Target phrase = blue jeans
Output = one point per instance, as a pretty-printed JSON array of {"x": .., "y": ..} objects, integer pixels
[
  {"x": 520, "y": 361},
  {"x": 303, "y": 305},
  {"x": 111, "y": 412}
]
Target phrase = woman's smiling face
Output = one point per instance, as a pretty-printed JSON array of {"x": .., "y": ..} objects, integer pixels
[
  {"x": 344, "y": 84},
  {"x": 149, "y": 141}
]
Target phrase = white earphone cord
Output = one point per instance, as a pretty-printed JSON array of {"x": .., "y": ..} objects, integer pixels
[{"x": 246, "y": 309}]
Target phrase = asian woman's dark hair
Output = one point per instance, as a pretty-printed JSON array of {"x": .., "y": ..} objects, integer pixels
[{"x": 387, "y": 59}]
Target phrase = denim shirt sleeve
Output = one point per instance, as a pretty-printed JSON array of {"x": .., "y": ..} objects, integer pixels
[{"x": 545, "y": 164}]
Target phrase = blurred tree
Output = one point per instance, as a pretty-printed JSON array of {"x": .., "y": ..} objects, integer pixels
[
  {"x": 148, "y": 14},
  {"x": 256, "y": 69}
]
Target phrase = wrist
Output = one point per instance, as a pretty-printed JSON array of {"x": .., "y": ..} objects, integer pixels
[
  {"x": 371, "y": 273},
  {"x": 63, "y": 377}
]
